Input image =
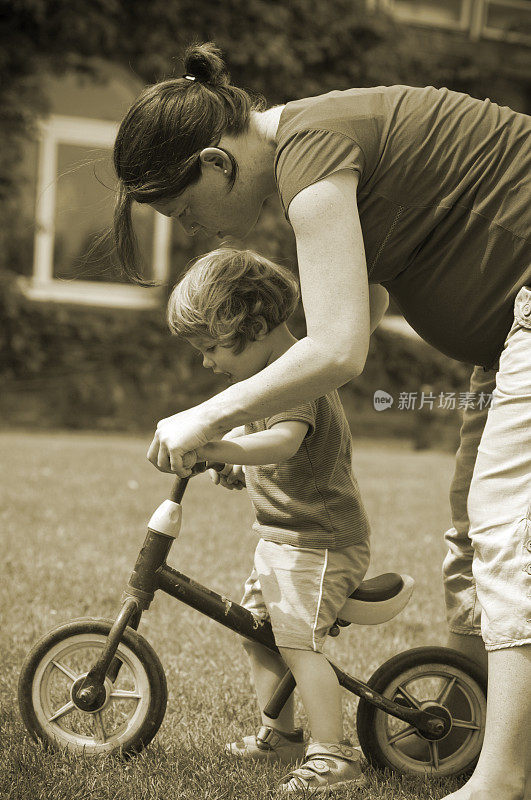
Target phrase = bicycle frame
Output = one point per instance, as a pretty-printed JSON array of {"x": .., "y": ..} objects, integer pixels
[{"x": 152, "y": 573}]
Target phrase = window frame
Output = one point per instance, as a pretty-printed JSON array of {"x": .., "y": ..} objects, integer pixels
[
  {"x": 484, "y": 31},
  {"x": 59, "y": 129},
  {"x": 402, "y": 15}
]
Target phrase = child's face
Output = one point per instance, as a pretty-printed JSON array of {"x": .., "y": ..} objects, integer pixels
[{"x": 237, "y": 366}]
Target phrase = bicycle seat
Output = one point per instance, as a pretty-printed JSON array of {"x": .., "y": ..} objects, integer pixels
[
  {"x": 378, "y": 599},
  {"x": 382, "y": 587}
]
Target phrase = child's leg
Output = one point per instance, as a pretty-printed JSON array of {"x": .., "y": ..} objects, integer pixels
[
  {"x": 319, "y": 690},
  {"x": 267, "y": 669},
  {"x": 304, "y": 588},
  {"x": 330, "y": 759}
]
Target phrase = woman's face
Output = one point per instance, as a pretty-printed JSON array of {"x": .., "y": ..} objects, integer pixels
[{"x": 211, "y": 207}]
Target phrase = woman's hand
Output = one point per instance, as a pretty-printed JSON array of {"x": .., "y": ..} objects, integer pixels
[
  {"x": 232, "y": 476},
  {"x": 176, "y": 440}
]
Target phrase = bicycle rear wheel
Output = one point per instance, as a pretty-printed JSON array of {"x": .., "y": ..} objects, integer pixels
[{"x": 425, "y": 677}]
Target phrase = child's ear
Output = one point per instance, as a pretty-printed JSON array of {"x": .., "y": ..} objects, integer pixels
[{"x": 260, "y": 327}]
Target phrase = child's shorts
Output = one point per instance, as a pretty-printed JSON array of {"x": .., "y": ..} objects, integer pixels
[{"x": 301, "y": 589}]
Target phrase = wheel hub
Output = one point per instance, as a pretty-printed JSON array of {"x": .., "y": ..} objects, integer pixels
[
  {"x": 441, "y": 727},
  {"x": 92, "y": 698}
]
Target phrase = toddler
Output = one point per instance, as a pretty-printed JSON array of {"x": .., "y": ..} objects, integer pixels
[{"x": 313, "y": 551}]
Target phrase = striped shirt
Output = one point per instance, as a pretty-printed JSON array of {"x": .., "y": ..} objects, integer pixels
[{"x": 312, "y": 499}]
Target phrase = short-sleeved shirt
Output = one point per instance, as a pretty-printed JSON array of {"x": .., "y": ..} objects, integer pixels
[
  {"x": 444, "y": 197},
  {"x": 312, "y": 499}
]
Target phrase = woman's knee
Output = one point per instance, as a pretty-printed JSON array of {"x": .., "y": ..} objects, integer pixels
[{"x": 502, "y": 572}]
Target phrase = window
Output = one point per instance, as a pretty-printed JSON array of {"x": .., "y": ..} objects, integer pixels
[
  {"x": 507, "y": 19},
  {"x": 438, "y": 13},
  {"x": 73, "y": 261}
]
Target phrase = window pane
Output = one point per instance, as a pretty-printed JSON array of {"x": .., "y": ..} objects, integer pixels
[
  {"x": 510, "y": 18},
  {"x": 83, "y": 214},
  {"x": 438, "y": 12}
]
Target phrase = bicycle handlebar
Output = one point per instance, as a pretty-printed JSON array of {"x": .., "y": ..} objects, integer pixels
[{"x": 180, "y": 484}]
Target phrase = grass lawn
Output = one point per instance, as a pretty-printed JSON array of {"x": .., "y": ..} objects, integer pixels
[{"x": 74, "y": 509}]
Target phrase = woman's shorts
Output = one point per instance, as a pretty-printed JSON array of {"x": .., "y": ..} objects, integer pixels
[
  {"x": 301, "y": 589},
  {"x": 487, "y": 569}
]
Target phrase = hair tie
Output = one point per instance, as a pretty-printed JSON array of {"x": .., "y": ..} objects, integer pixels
[{"x": 190, "y": 77}]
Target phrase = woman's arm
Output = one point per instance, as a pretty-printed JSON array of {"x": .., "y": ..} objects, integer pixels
[
  {"x": 379, "y": 302},
  {"x": 264, "y": 447},
  {"x": 335, "y": 295}
]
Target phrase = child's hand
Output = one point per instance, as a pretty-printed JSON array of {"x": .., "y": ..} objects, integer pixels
[{"x": 231, "y": 477}]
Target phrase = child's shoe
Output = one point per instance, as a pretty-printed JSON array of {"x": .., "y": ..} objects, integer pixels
[
  {"x": 327, "y": 765},
  {"x": 269, "y": 745}
]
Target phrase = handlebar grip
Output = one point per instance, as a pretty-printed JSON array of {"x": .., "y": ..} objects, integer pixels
[{"x": 180, "y": 484}]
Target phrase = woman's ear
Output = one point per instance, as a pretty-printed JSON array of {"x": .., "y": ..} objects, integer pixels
[{"x": 216, "y": 158}]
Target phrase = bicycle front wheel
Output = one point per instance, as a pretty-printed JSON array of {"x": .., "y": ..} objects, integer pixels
[{"x": 134, "y": 704}]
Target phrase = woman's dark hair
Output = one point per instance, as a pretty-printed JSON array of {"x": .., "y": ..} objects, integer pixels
[{"x": 156, "y": 152}]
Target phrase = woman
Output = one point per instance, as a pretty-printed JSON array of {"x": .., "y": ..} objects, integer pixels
[{"x": 422, "y": 193}]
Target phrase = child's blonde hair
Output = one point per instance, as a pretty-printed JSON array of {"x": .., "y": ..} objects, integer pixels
[{"x": 227, "y": 293}]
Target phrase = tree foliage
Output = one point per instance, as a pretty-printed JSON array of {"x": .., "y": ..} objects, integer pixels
[{"x": 281, "y": 48}]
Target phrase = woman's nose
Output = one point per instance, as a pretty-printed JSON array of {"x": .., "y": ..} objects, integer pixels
[{"x": 207, "y": 362}]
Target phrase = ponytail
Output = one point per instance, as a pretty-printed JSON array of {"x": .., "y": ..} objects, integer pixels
[
  {"x": 204, "y": 62},
  {"x": 125, "y": 240}
]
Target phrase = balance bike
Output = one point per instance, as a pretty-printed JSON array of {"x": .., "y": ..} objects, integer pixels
[{"x": 97, "y": 686}]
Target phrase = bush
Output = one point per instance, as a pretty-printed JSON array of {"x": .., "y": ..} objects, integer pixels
[
  {"x": 77, "y": 367},
  {"x": 81, "y": 368}
]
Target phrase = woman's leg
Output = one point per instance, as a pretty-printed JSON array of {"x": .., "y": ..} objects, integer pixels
[
  {"x": 499, "y": 507},
  {"x": 504, "y": 766},
  {"x": 463, "y": 609},
  {"x": 462, "y": 606}
]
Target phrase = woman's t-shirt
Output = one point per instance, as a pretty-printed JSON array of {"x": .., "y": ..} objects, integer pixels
[{"x": 444, "y": 196}]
